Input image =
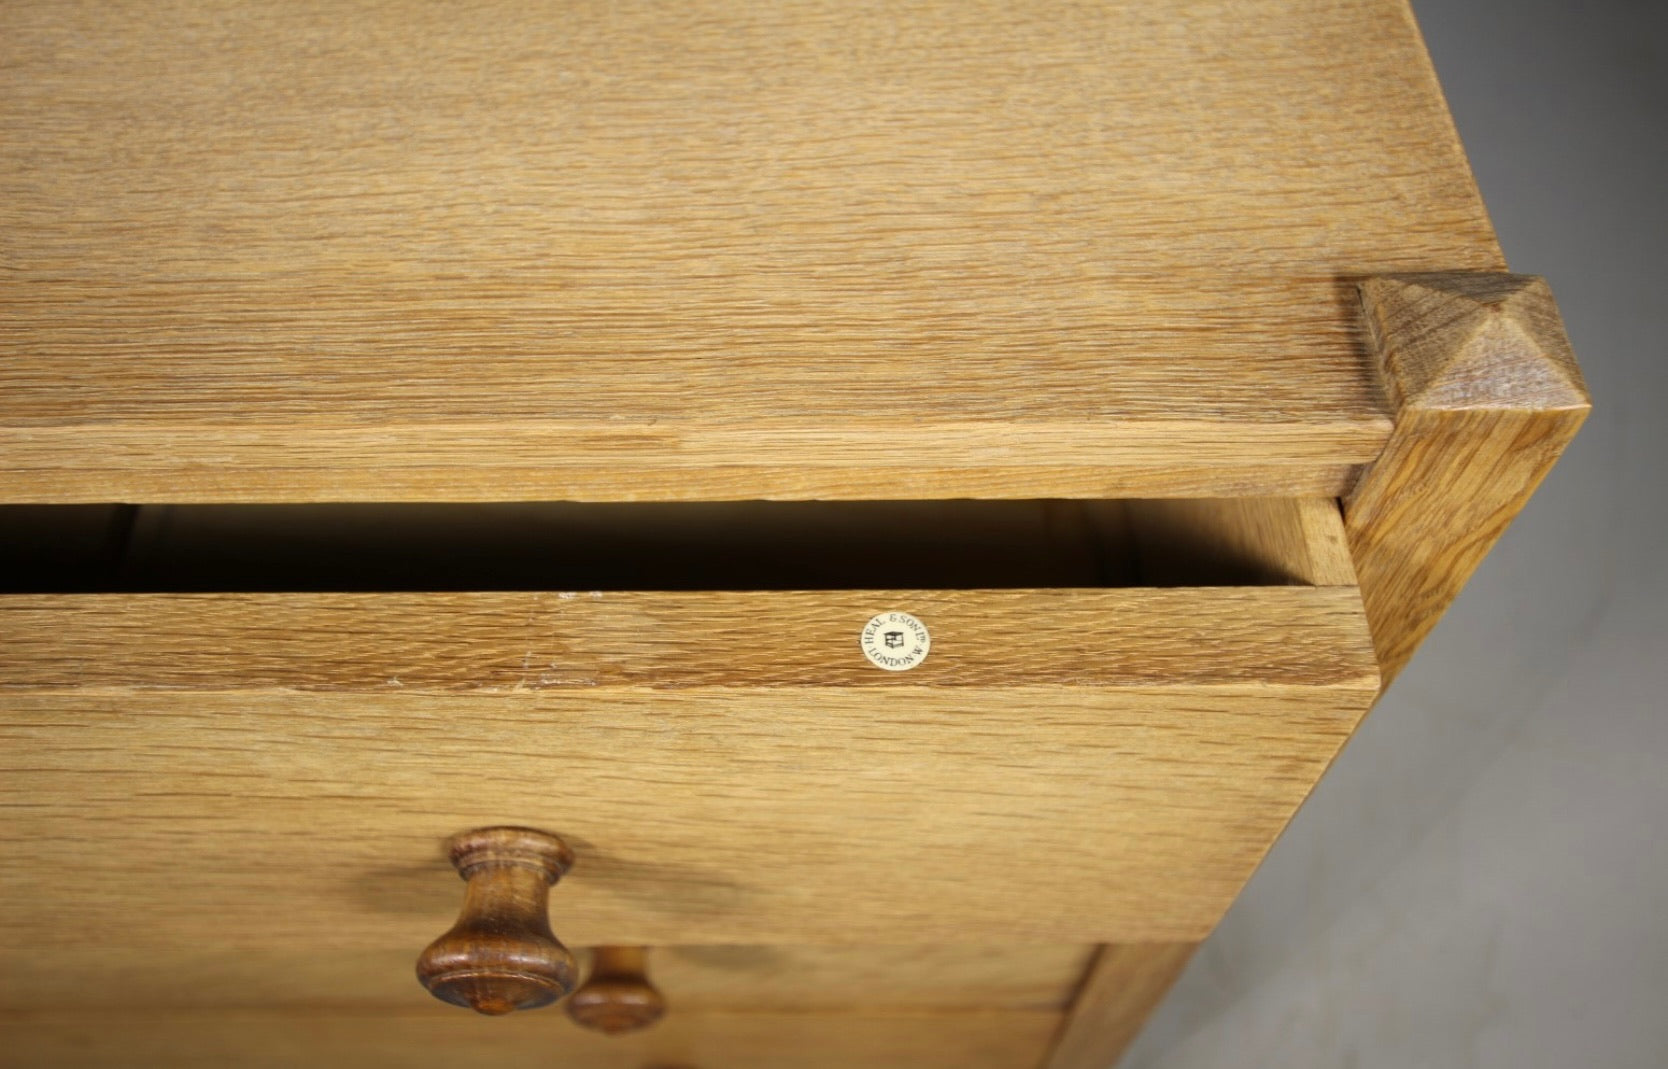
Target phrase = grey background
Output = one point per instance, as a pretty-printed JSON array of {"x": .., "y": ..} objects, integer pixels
[{"x": 1482, "y": 879}]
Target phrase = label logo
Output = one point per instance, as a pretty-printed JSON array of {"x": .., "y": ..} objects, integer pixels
[{"x": 895, "y": 641}]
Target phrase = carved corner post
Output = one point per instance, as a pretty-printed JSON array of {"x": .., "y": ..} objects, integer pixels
[{"x": 1486, "y": 395}]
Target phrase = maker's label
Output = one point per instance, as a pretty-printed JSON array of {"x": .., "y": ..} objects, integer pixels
[{"x": 895, "y": 641}]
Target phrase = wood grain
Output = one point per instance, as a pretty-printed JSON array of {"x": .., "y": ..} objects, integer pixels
[
  {"x": 728, "y": 767},
  {"x": 451, "y": 1040},
  {"x": 1487, "y": 395},
  {"x": 1125, "y": 984},
  {"x": 205, "y": 975},
  {"x": 617, "y": 251},
  {"x": 645, "y": 642},
  {"x": 161, "y": 477}
]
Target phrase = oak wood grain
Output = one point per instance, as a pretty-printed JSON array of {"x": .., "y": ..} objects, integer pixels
[
  {"x": 727, "y": 767},
  {"x": 1487, "y": 395},
  {"x": 617, "y": 251},
  {"x": 643, "y": 642},
  {"x": 1124, "y": 985},
  {"x": 284, "y": 1039},
  {"x": 158, "y": 474},
  {"x": 205, "y": 975}
]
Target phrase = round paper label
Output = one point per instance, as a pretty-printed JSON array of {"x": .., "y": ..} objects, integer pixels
[{"x": 895, "y": 641}]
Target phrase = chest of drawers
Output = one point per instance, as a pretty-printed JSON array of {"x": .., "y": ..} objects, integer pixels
[{"x": 913, "y": 495}]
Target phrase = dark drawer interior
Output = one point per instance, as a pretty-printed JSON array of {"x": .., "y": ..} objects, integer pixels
[{"x": 752, "y": 545}]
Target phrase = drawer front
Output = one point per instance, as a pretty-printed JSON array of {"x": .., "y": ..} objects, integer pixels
[
  {"x": 446, "y": 1039},
  {"x": 321, "y": 972},
  {"x": 1065, "y": 765}
]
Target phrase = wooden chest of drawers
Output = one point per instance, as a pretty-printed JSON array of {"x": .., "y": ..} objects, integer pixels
[{"x": 914, "y": 495}]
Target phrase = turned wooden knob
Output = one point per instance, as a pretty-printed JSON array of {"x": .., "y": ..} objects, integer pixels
[
  {"x": 618, "y": 996},
  {"x": 501, "y": 955}
]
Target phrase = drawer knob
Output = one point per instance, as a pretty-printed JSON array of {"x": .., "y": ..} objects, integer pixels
[
  {"x": 501, "y": 955},
  {"x": 618, "y": 997}
]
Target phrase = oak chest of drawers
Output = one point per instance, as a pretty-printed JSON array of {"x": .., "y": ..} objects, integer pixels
[{"x": 897, "y": 503}]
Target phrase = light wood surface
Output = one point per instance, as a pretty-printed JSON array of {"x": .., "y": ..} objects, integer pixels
[
  {"x": 1487, "y": 395},
  {"x": 162, "y": 476},
  {"x": 637, "y": 645},
  {"x": 447, "y": 1038},
  {"x": 1124, "y": 985},
  {"x": 728, "y": 767},
  {"x": 206, "y": 976},
  {"x": 716, "y": 250}
]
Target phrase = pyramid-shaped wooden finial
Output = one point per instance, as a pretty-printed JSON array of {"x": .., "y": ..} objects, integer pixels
[
  {"x": 1471, "y": 341},
  {"x": 1486, "y": 395}
]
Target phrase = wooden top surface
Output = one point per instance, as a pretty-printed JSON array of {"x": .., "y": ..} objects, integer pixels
[{"x": 812, "y": 248}]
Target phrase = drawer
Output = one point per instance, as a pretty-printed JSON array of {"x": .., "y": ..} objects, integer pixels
[
  {"x": 716, "y": 980},
  {"x": 1090, "y": 761},
  {"x": 989, "y": 1040},
  {"x": 806, "y": 1007},
  {"x": 235, "y": 738}
]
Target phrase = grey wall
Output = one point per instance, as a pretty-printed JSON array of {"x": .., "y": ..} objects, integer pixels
[{"x": 1482, "y": 879}]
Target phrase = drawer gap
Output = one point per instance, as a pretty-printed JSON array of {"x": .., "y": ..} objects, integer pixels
[{"x": 749, "y": 545}]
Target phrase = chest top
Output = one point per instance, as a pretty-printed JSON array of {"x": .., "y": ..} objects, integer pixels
[{"x": 815, "y": 248}]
